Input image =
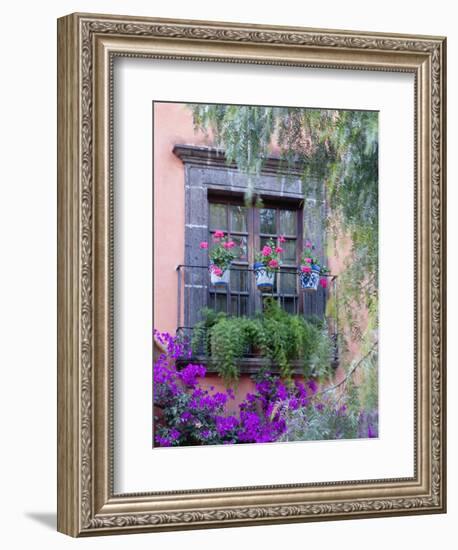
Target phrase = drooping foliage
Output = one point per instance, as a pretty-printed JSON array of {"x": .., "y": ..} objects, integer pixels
[
  {"x": 280, "y": 339},
  {"x": 338, "y": 153}
]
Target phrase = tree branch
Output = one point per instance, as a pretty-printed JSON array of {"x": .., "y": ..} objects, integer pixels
[{"x": 349, "y": 374}]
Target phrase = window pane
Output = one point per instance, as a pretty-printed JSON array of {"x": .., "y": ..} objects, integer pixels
[
  {"x": 239, "y": 305},
  {"x": 238, "y": 218},
  {"x": 241, "y": 248},
  {"x": 267, "y": 219},
  {"x": 289, "y": 305},
  {"x": 218, "y": 218},
  {"x": 288, "y": 282},
  {"x": 288, "y": 222},
  {"x": 239, "y": 279},
  {"x": 289, "y": 251},
  {"x": 218, "y": 301}
]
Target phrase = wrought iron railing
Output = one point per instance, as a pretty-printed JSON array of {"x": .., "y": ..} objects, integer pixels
[
  {"x": 241, "y": 297},
  {"x": 251, "y": 357}
]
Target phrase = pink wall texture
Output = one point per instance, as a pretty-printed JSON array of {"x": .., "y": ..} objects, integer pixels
[{"x": 172, "y": 125}]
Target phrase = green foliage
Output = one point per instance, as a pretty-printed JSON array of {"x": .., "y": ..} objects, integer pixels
[
  {"x": 200, "y": 342},
  {"x": 228, "y": 344},
  {"x": 220, "y": 255},
  {"x": 277, "y": 336},
  {"x": 327, "y": 421},
  {"x": 368, "y": 387},
  {"x": 294, "y": 338},
  {"x": 244, "y": 132},
  {"x": 340, "y": 150}
]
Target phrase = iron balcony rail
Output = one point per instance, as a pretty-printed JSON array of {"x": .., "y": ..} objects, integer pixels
[
  {"x": 241, "y": 297},
  {"x": 251, "y": 360}
]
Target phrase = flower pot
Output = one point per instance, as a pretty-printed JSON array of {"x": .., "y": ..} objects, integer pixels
[
  {"x": 222, "y": 279},
  {"x": 265, "y": 279},
  {"x": 311, "y": 279}
]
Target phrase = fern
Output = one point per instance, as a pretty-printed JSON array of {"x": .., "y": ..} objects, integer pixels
[
  {"x": 228, "y": 344},
  {"x": 280, "y": 338}
]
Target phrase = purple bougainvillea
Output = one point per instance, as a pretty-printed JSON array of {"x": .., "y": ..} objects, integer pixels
[{"x": 187, "y": 413}]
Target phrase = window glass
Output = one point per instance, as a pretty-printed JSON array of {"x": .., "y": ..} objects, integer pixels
[
  {"x": 218, "y": 301},
  {"x": 239, "y": 282},
  {"x": 288, "y": 282},
  {"x": 238, "y": 218},
  {"x": 218, "y": 218},
  {"x": 267, "y": 221},
  {"x": 241, "y": 248},
  {"x": 288, "y": 222},
  {"x": 239, "y": 305},
  {"x": 289, "y": 251}
]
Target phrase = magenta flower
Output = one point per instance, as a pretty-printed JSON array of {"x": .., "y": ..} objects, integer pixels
[
  {"x": 217, "y": 270},
  {"x": 308, "y": 260},
  {"x": 203, "y": 244},
  {"x": 186, "y": 416},
  {"x": 174, "y": 434},
  {"x": 281, "y": 239},
  {"x": 308, "y": 243},
  {"x": 190, "y": 374},
  {"x": 273, "y": 263},
  {"x": 266, "y": 251},
  {"x": 306, "y": 269},
  {"x": 218, "y": 235},
  {"x": 323, "y": 282},
  {"x": 278, "y": 249},
  {"x": 371, "y": 432},
  {"x": 229, "y": 244}
]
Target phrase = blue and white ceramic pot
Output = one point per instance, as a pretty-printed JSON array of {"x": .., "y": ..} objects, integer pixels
[
  {"x": 311, "y": 279},
  {"x": 222, "y": 279},
  {"x": 265, "y": 279}
]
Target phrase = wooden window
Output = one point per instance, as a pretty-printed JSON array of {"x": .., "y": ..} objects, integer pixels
[
  {"x": 251, "y": 228},
  {"x": 235, "y": 219}
]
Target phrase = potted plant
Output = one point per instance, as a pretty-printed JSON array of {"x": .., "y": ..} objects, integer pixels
[
  {"x": 267, "y": 264},
  {"x": 309, "y": 268},
  {"x": 221, "y": 255}
]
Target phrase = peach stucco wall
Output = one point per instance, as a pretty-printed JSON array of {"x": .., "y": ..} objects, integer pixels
[{"x": 172, "y": 125}]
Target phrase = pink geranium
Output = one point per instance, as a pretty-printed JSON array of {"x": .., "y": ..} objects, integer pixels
[
  {"x": 308, "y": 244},
  {"x": 269, "y": 255},
  {"x": 218, "y": 234},
  {"x": 281, "y": 239},
  {"x": 323, "y": 282},
  {"x": 273, "y": 263},
  {"x": 217, "y": 270},
  {"x": 229, "y": 244},
  {"x": 203, "y": 245},
  {"x": 308, "y": 260},
  {"x": 306, "y": 269}
]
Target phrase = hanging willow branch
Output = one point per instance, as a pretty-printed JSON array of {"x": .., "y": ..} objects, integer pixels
[{"x": 339, "y": 149}]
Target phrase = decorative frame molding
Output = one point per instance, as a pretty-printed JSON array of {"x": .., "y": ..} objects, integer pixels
[{"x": 87, "y": 45}]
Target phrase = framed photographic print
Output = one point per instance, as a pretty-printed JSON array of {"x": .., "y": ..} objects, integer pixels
[{"x": 251, "y": 281}]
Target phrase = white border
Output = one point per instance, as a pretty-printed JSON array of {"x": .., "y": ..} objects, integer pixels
[{"x": 138, "y": 468}]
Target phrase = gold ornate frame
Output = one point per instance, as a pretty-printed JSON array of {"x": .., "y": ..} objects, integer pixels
[{"x": 87, "y": 45}]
